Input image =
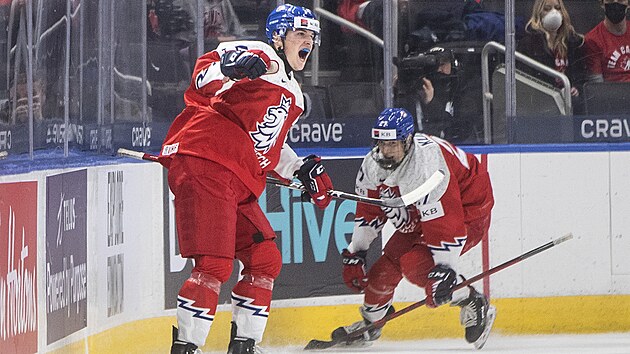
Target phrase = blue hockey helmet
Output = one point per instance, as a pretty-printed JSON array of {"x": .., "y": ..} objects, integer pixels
[
  {"x": 393, "y": 124},
  {"x": 292, "y": 17}
]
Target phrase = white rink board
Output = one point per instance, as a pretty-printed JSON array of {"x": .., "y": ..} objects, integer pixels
[
  {"x": 620, "y": 195},
  {"x": 543, "y": 196},
  {"x": 566, "y": 192},
  {"x": 539, "y": 197},
  {"x": 141, "y": 249}
]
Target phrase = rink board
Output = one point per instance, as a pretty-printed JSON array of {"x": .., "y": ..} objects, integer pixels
[
  {"x": 295, "y": 326},
  {"x": 580, "y": 286}
]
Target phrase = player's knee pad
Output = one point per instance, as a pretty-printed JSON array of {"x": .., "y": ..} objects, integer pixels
[
  {"x": 265, "y": 260},
  {"x": 219, "y": 268},
  {"x": 416, "y": 265},
  {"x": 383, "y": 277},
  {"x": 384, "y": 272}
]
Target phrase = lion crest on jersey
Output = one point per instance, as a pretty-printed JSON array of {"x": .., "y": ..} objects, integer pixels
[
  {"x": 269, "y": 129},
  {"x": 404, "y": 219}
]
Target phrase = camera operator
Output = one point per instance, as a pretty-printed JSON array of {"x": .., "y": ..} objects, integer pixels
[{"x": 428, "y": 85}]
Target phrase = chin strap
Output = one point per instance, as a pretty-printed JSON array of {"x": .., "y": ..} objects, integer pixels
[{"x": 283, "y": 56}]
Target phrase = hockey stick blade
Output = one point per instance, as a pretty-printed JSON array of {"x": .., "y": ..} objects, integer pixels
[
  {"x": 320, "y": 344},
  {"x": 3, "y": 154},
  {"x": 315, "y": 344},
  {"x": 399, "y": 202}
]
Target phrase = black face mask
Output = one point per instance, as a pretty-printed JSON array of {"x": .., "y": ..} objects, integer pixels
[{"x": 615, "y": 12}]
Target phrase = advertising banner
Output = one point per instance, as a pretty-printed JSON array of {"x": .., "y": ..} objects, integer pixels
[
  {"x": 115, "y": 239},
  {"x": 311, "y": 240},
  {"x": 18, "y": 265},
  {"x": 611, "y": 128},
  {"x": 66, "y": 254}
]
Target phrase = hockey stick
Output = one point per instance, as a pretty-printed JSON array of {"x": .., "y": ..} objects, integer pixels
[
  {"x": 137, "y": 155},
  {"x": 398, "y": 202},
  {"x": 320, "y": 344}
]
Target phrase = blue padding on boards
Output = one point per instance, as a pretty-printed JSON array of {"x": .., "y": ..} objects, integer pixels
[{"x": 54, "y": 159}]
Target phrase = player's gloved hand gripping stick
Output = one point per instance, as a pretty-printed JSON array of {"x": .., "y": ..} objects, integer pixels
[
  {"x": 354, "y": 274},
  {"x": 398, "y": 202},
  {"x": 315, "y": 181},
  {"x": 440, "y": 283}
]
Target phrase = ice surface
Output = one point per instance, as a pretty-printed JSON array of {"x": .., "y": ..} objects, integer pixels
[{"x": 609, "y": 343}]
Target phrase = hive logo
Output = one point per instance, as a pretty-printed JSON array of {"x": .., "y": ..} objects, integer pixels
[{"x": 305, "y": 231}]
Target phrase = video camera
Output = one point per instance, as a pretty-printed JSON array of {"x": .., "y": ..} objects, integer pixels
[
  {"x": 418, "y": 65},
  {"x": 415, "y": 66}
]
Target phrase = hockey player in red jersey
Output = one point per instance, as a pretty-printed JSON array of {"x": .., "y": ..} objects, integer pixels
[
  {"x": 430, "y": 235},
  {"x": 242, "y": 100}
]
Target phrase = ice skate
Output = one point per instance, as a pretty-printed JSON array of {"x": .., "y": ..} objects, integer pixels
[
  {"x": 181, "y": 347},
  {"x": 241, "y": 345},
  {"x": 364, "y": 339},
  {"x": 477, "y": 317}
]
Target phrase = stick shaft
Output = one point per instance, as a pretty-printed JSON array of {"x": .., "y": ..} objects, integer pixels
[
  {"x": 137, "y": 155},
  {"x": 467, "y": 282},
  {"x": 399, "y": 202}
]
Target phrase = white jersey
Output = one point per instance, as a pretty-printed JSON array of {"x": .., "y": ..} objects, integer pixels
[{"x": 440, "y": 218}]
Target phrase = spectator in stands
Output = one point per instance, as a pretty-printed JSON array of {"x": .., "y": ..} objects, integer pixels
[
  {"x": 367, "y": 14},
  {"x": 360, "y": 59},
  {"x": 606, "y": 45},
  {"x": 174, "y": 18},
  {"x": 551, "y": 40},
  {"x": 428, "y": 85}
]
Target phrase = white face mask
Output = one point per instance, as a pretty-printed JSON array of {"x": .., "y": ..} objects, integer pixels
[{"x": 552, "y": 20}]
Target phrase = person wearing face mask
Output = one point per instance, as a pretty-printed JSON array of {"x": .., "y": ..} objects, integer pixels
[
  {"x": 607, "y": 44},
  {"x": 551, "y": 40}
]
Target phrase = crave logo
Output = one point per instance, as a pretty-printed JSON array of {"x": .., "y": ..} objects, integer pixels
[
  {"x": 268, "y": 131},
  {"x": 18, "y": 260}
]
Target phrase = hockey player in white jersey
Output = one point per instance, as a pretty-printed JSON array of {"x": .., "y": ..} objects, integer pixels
[{"x": 430, "y": 235}]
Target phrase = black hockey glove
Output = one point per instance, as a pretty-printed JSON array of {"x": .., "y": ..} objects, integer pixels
[
  {"x": 354, "y": 270},
  {"x": 441, "y": 281},
  {"x": 315, "y": 179},
  {"x": 238, "y": 65}
]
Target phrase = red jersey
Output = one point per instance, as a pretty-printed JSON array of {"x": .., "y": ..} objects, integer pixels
[
  {"x": 608, "y": 54},
  {"x": 243, "y": 124},
  {"x": 464, "y": 195}
]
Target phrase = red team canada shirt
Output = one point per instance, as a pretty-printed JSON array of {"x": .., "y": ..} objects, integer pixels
[
  {"x": 241, "y": 125},
  {"x": 608, "y": 54}
]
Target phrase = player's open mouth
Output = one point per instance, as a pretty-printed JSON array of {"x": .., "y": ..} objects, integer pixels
[{"x": 303, "y": 53}]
